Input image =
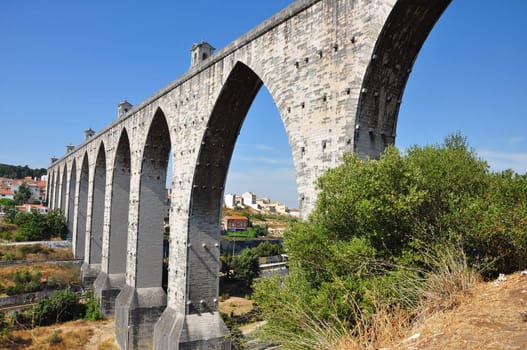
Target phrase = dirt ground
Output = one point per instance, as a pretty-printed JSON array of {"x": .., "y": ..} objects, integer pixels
[
  {"x": 80, "y": 334},
  {"x": 493, "y": 316}
]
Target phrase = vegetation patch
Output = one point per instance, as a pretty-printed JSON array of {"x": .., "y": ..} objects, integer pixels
[
  {"x": 21, "y": 279},
  {"x": 390, "y": 240}
]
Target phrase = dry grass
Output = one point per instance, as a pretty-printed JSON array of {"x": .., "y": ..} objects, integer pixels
[
  {"x": 108, "y": 344},
  {"x": 80, "y": 334},
  {"x": 236, "y": 306},
  {"x": 16, "y": 252},
  {"x": 40, "y": 338}
]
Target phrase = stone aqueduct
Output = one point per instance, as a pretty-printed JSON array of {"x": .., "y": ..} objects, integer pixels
[{"x": 336, "y": 70}]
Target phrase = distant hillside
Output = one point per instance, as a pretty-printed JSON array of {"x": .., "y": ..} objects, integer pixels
[{"x": 19, "y": 172}]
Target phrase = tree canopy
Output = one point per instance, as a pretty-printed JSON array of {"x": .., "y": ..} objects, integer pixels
[
  {"x": 376, "y": 220},
  {"x": 19, "y": 172}
]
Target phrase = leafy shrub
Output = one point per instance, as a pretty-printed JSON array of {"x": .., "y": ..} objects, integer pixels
[
  {"x": 93, "y": 311},
  {"x": 367, "y": 241},
  {"x": 60, "y": 307}
]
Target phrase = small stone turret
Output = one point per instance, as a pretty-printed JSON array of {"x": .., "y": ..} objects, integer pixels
[
  {"x": 69, "y": 148},
  {"x": 123, "y": 108},
  {"x": 200, "y": 52},
  {"x": 53, "y": 160},
  {"x": 88, "y": 134}
]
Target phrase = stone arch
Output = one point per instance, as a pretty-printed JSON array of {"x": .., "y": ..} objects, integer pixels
[
  {"x": 80, "y": 235},
  {"x": 120, "y": 199},
  {"x": 63, "y": 190},
  {"x": 97, "y": 215},
  {"x": 71, "y": 198},
  {"x": 152, "y": 204},
  {"x": 56, "y": 192},
  {"x": 394, "y": 54},
  {"x": 49, "y": 189},
  {"x": 217, "y": 146}
]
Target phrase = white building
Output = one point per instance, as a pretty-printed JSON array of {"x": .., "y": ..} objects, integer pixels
[
  {"x": 249, "y": 200},
  {"x": 229, "y": 200}
]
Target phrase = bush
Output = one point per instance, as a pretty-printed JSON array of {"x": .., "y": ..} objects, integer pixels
[
  {"x": 60, "y": 307},
  {"x": 93, "y": 311},
  {"x": 368, "y": 241}
]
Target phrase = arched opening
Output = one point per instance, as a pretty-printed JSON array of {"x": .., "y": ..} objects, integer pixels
[
  {"x": 56, "y": 192},
  {"x": 262, "y": 161},
  {"x": 119, "y": 207},
  {"x": 473, "y": 83},
  {"x": 97, "y": 216},
  {"x": 71, "y": 199},
  {"x": 216, "y": 150},
  {"x": 49, "y": 187},
  {"x": 153, "y": 202},
  {"x": 402, "y": 36},
  {"x": 63, "y": 190},
  {"x": 80, "y": 238}
]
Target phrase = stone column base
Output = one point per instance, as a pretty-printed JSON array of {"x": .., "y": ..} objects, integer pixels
[
  {"x": 106, "y": 288},
  {"x": 136, "y": 313},
  {"x": 196, "y": 331},
  {"x": 89, "y": 273}
]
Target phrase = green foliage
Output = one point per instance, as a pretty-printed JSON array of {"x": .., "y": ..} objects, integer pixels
[
  {"x": 93, "y": 312},
  {"x": 19, "y": 172},
  {"x": 34, "y": 226},
  {"x": 246, "y": 265},
  {"x": 268, "y": 249},
  {"x": 368, "y": 239},
  {"x": 9, "y": 208},
  {"x": 25, "y": 282},
  {"x": 4, "y": 324},
  {"x": 227, "y": 265},
  {"x": 62, "y": 306},
  {"x": 56, "y": 224},
  {"x": 22, "y": 194}
]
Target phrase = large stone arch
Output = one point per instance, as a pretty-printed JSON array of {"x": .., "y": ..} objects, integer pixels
[
  {"x": 82, "y": 204},
  {"x": 336, "y": 70},
  {"x": 143, "y": 293},
  {"x": 56, "y": 189},
  {"x": 63, "y": 190},
  {"x": 93, "y": 249},
  {"x": 71, "y": 198},
  {"x": 396, "y": 49},
  {"x": 111, "y": 279}
]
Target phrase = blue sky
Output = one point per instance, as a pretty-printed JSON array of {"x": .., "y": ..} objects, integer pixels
[{"x": 64, "y": 66}]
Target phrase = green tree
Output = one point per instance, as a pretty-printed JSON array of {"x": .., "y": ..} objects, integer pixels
[
  {"x": 267, "y": 249},
  {"x": 246, "y": 265},
  {"x": 373, "y": 221},
  {"x": 56, "y": 224},
  {"x": 60, "y": 307},
  {"x": 32, "y": 226},
  {"x": 23, "y": 194}
]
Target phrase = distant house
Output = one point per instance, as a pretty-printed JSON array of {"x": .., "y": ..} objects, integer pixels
[
  {"x": 294, "y": 212},
  {"x": 29, "y": 207},
  {"x": 5, "y": 193},
  {"x": 228, "y": 200},
  {"x": 249, "y": 200},
  {"x": 235, "y": 223}
]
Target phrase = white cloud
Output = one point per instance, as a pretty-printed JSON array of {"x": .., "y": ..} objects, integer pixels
[{"x": 501, "y": 160}]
